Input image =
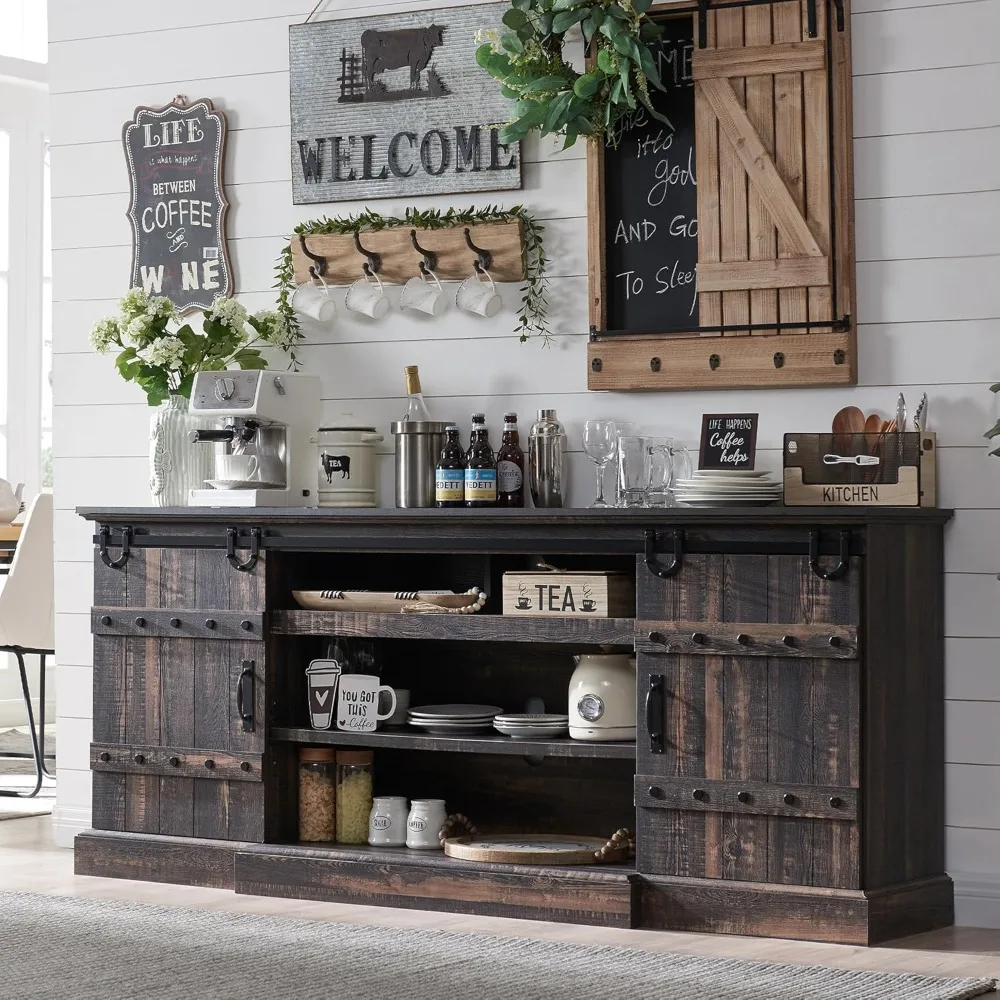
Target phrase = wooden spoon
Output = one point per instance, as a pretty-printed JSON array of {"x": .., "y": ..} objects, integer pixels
[
  {"x": 873, "y": 427},
  {"x": 849, "y": 420}
]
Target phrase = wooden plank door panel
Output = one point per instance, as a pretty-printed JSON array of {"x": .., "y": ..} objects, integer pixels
[{"x": 750, "y": 719}]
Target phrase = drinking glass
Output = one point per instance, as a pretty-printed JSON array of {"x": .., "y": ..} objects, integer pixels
[
  {"x": 668, "y": 463},
  {"x": 633, "y": 471},
  {"x": 600, "y": 442}
]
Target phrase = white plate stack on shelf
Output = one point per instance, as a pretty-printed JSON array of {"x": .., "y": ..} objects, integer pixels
[
  {"x": 532, "y": 726},
  {"x": 727, "y": 488},
  {"x": 453, "y": 720}
]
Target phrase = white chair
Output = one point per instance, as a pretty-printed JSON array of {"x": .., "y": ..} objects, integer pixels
[{"x": 27, "y": 617}]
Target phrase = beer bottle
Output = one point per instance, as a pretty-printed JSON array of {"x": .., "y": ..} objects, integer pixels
[
  {"x": 449, "y": 490},
  {"x": 510, "y": 466},
  {"x": 480, "y": 467}
]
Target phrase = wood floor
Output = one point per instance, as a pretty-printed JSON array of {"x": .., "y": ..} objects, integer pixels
[{"x": 30, "y": 862}]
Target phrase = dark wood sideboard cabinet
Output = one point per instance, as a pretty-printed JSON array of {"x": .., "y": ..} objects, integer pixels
[{"x": 788, "y": 774}]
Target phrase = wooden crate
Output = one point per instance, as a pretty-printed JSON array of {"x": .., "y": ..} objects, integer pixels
[{"x": 566, "y": 595}]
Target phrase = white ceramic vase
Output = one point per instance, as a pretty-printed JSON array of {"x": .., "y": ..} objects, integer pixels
[{"x": 176, "y": 466}]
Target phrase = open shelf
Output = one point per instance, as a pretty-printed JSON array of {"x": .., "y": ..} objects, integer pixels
[
  {"x": 485, "y": 744},
  {"x": 481, "y": 628}
]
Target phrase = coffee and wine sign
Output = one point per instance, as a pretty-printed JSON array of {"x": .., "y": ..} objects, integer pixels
[
  {"x": 396, "y": 106},
  {"x": 178, "y": 205},
  {"x": 728, "y": 441}
]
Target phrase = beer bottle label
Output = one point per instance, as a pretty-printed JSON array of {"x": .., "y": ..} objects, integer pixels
[
  {"x": 510, "y": 479},
  {"x": 450, "y": 486},
  {"x": 481, "y": 485}
]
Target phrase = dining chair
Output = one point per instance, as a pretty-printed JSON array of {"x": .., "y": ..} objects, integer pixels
[{"x": 27, "y": 619}]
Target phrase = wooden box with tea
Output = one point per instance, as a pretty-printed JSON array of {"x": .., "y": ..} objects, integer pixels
[{"x": 597, "y": 594}]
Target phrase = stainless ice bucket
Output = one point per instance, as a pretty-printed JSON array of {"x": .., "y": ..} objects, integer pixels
[{"x": 418, "y": 448}]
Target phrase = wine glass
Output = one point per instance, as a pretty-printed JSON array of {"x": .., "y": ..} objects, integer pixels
[{"x": 600, "y": 441}]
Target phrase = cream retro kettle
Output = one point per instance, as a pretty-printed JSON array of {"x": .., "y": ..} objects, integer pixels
[
  {"x": 602, "y": 697},
  {"x": 10, "y": 501}
]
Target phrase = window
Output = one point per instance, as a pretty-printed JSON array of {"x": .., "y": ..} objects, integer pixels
[{"x": 24, "y": 30}]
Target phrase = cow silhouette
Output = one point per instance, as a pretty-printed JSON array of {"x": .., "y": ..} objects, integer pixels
[
  {"x": 411, "y": 47},
  {"x": 336, "y": 463}
]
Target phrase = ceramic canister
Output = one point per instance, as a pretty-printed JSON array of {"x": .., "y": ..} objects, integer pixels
[
  {"x": 346, "y": 464},
  {"x": 423, "y": 825},
  {"x": 387, "y": 822}
]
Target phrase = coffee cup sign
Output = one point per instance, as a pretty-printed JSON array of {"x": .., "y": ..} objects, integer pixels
[{"x": 728, "y": 441}]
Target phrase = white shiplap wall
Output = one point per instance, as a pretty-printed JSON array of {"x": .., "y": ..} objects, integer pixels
[{"x": 928, "y": 244}]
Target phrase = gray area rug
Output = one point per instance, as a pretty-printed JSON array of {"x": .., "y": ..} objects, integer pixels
[{"x": 87, "y": 949}]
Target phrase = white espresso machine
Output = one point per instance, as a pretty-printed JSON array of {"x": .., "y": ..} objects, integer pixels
[{"x": 260, "y": 424}]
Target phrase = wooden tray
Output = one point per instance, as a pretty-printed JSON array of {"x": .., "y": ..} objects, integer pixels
[
  {"x": 531, "y": 849},
  {"x": 388, "y": 601}
]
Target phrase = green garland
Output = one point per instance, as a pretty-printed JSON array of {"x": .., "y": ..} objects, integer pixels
[
  {"x": 533, "y": 315},
  {"x": 549, "y": 95}
]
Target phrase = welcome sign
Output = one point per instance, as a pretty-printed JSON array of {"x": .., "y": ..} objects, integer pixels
[{"x": 396, "y": 105}]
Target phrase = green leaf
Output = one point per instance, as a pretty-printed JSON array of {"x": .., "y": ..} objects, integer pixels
[
  {"x": 512, "y": 43},
  {"x": 625, "y": 77},
  {"x": 642, "y": 5},
  {"x": 649, "y": 69},
  {"x": 545, "y": 24},
  {"x": 617, "y": 12},
  {"x": 558, "y": 112},
  {"x": 589, "y": 31},
  {"x": 546, "y": 83},
  {"x": 571, "y": 135},
  {"x": 597, "y": 16},
  {"x": 616, "y": 91},
  {"x": 566, "y": 4},
  {"x": 523, "y": 4},
  {"x": 510, "y": 93},
  {"x": 564, "y": 20},
  {"x": 587, "y": 85},
  {"x": 993, "y": 431},
  {"x": 627, "y": 46},
  {"x": 650, "y": 31},
  {"x": 515, "y": 18},
  {"x": 995, "y": 387},
  {"x": 606, "y": 61},
  {"x": 484, "y": 54}
]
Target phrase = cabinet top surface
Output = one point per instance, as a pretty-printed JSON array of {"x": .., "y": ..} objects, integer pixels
[{"x": 662, "y": 519}]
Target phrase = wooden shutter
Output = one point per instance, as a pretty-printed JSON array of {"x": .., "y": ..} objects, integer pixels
[{"x": 775, "y": 210}]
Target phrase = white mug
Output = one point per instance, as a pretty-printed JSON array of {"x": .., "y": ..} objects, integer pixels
[
  {"x": 314, "y": 302},
  {"x": 421, "y": 295},
  {"x": 367, "y": 296},
  {"x": 357, "y": 703},
  {"x": 478, "y": 296},
  {"x": 235, "y": 468}
]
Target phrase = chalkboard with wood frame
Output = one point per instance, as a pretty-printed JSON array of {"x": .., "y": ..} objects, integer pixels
[{"x": 722, "y": 245}]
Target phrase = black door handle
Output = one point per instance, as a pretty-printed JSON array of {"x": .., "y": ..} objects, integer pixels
[
  {"x": 654, "y": 713},
  {"x": 244, "y": 696}
]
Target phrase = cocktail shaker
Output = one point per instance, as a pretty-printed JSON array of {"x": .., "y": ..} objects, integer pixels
[{"x": 546, "y": 445}]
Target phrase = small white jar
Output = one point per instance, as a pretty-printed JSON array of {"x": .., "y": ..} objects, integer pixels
[
  {"x": 387, "y": 821},
  {"x": 423, "y": 826}
]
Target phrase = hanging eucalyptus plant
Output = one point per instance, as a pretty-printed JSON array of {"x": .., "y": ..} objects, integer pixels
[{"x": 552, "y": 97}]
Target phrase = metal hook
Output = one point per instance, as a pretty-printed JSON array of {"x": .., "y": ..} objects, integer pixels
[
  {"x": 429, "y": 262},
  {"x": 318, "y": 268},
  {"x": 374, "y": 263},
  {"x": 845, "y": 557},
  {"x": 664, "y": 572},
  {"x": 484, "y": 259}
]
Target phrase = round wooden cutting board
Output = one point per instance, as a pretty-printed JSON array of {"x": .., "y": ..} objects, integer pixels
[{"x": 529, "y": 849}]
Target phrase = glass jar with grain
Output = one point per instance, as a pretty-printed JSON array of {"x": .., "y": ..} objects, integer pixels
[
  {"x": 317, "y": 781},
  {"x": 355, "y": 778}
]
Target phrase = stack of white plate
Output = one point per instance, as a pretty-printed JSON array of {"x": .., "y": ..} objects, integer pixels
[
  {"x": 453, "y": 720},
  {"x": 728, "y": 488},
  {"x": 532, "y": 726}
]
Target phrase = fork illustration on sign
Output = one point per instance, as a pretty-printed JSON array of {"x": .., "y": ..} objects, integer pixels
[{"x": 851, "y": 460}]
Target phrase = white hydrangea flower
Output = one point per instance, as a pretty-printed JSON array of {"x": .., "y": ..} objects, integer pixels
[
  {"x": 160, "y": 307},
  {"x": 134, "y": 303},
  {"x": 104, "y": 335},
  {"x": 139, "y": 331},
  {"x": 167, "y": 352},
  {"x": 229, "y": 312},
  {"x": 275, "y": 329}
]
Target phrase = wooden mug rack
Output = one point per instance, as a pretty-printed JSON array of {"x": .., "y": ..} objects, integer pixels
[{"x": 405, "y": 252}]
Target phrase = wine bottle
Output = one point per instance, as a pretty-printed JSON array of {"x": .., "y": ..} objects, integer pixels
[{"x": 416, "y": 407}]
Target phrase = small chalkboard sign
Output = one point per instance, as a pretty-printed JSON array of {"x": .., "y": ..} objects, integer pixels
[
  {"x": 651, "y": 202},
  {"x": 728, "y": 441},
  {"x": 178, "y": 205}
]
